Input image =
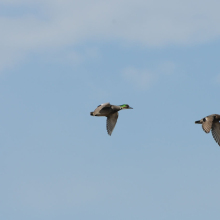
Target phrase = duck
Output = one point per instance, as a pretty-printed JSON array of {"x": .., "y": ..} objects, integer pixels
[
  {"x": 211, "y": 122},
  {"x": 111, "y": 112}
]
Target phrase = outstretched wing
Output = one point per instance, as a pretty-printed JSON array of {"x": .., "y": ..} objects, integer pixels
[
  {"x": 100, "y": 107},
  {"x": 111, "y": 122},
  {"x": 207, "y": 124},
  {"x": 107, "y": 104},
  {"x": 216, "y": 131}
]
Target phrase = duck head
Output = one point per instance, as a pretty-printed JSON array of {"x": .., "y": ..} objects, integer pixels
[{"x": 125, "y": 106}]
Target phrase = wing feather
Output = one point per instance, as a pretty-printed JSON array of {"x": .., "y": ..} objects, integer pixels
[
  {"x": 97, "y": 111},
  {"x": 207, "y": 124},
  {"x": 107, "y": 104},
  {"x": 216, "y": 131},
  {"x": 111, "y": 122}
]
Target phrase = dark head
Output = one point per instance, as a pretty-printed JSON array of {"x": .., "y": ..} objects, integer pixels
[{"x": 125, "y": 106}]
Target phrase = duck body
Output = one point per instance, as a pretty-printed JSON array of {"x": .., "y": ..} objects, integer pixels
[
  {"x": 211, "y": 123},
  {"x": 105, "y": 109},
  {"x": 111, "y": 112}
]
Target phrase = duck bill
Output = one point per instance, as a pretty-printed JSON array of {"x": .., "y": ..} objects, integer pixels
[
  {"x": 198, "y": 122},
  {"x": 130, "y": 108}
]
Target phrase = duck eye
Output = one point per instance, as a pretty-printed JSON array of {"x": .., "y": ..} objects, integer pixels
[{"x": 204, "y": 119}]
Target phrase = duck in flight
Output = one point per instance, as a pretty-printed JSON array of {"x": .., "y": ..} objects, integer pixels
[
  {"x": 211, "y": 122},
  {"x": 111, "y": 112}
]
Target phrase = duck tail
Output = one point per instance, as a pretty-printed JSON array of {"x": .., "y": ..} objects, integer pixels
[{"x": 91, "y": 113}]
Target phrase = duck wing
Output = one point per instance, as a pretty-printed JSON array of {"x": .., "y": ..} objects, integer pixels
[
  {"x": 107, "y": 104},
  {"x": 111, "y": 122},
  {"x": 216, "y": 131},
  {"x": 207, "y": 124},
  {"x": 97, "y": 111}
]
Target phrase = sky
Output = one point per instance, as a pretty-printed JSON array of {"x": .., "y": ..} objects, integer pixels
[{"x": 59, "y": 60}]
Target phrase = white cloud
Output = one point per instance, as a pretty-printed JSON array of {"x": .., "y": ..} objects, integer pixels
[
  {"x": 166, "y": 68},
  {"x": 216, "y": 79},
  {"x": 57, "y": 24},
  {"x": 145, "y": 78},
  {"x": 73, "y": 57},
  {"x": 140, "y": 78},
  {"x": 53, "y": 194}
]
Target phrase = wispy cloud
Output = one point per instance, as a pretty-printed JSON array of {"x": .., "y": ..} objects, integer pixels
[
  {"x": 50, "y": 194},
  {"x": 27, "y": 27},
  {"x": 166, "y": 68},
  {"x": 145, "y": 78},
  {"x": 140, "y": 78},
  {"x": 216, "y": 79},
  {"x": 74, "y": 56}
]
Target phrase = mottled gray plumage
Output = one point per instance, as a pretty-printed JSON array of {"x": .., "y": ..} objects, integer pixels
[
  {"x": 111, "y": 112},
  {"x": 211, "y": 122}
]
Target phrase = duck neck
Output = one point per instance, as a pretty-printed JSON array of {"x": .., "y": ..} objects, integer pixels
[{"x": 116, "y": 108}]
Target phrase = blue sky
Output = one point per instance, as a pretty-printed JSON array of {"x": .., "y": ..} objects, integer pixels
[{"x": 59, "y": 61}]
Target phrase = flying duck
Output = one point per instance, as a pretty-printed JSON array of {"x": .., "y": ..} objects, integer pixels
[
  {"x": 211, "y": 122},
  {"x": 111, "y": 112}
]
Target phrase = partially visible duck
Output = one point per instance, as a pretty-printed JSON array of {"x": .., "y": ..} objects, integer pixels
[{"x": 211, "y": 122}]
